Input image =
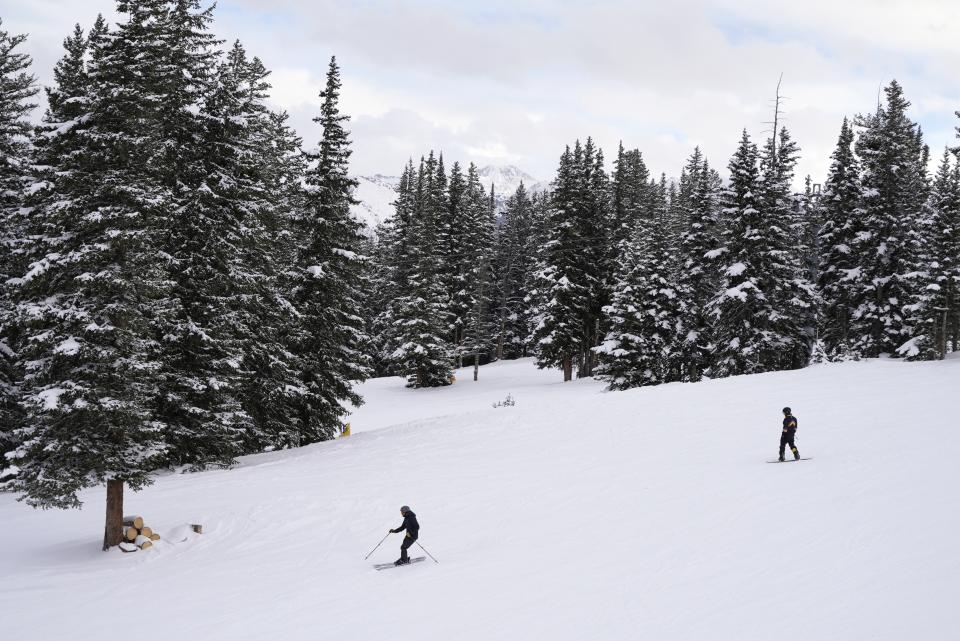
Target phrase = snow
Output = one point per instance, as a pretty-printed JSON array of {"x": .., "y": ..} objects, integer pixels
[
  {"x": 575, "y": 514},
  {"x": 70, "y": 346},
  {"x": 505, "y": 180},
  {"x": 736, "y": 269},
  {"x": 51, "y": 397},
  {"x": 376, "y": 195}
]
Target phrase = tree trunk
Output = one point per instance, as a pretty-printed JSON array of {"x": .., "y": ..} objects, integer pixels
[
  {"x": 567, "y": 369},
  {"x": 113, "y": 529}
]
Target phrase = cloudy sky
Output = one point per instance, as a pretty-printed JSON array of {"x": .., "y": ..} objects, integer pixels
[{"x": 511, "y": 82}]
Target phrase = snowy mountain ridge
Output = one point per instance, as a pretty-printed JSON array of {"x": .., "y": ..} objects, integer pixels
[
  {"x": 376, "y": 195},
  {"x": 377, "y": 192},
  {"x": 506, "y": 179}
]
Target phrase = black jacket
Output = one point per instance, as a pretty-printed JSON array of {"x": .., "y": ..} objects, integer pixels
[
  {"x": 410, "y": 525},
  {"x": 790, "y": 423}
]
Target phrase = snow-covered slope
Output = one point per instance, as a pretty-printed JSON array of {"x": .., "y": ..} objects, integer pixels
[
  {"x": 575, "y": 514},
  {"x": 376, "y": 195},
  {"x": 506, "y": 179}
]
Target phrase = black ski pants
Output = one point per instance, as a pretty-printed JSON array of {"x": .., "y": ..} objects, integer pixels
[
  {"x": 787, "y": 439},
  {"x": 407, "y": 542}
]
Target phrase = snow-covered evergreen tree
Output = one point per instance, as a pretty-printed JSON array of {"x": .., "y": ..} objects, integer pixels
[
  {"x": 87, "y": 301},
  {"x": 271, "y": 367},
  {"x": 630, "y": 199},
  {"x": 934, "y": 307},
  {"x": 477, "y": 243},
  {"x": 204, "y": 125},
  {"x": 839, "y": 235},
  {"x": 17, "y": 89},
  {"x": 593, "y": 254},
  {"x": 645, "y": 314},
  {"x": 891, "y": 158},
  {"x": 793, "y": 324},
  {"x": 759, "y": 307},
  {"x": 514, "y": 263},
  {"x": 329, "y": 279},
  {"x": 420, "y": 312},
  {"x": 389, "y": 271},
  {"x": 697, "y": 257},
  {"x": 456, "y": 251},
  {"x": 563, "y": 286}
]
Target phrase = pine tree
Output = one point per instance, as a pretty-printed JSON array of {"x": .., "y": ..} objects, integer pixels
[
  {"x": 762, "y": 295},
  {"x": 17, "y": 88},
  {"x": 597, "y": 271},
  {"x": 221, "y": 247},
  {"x": 478, "y": 243},
  {"x": 420, "y": 313},
  {"x": 329, "y": 281},
  {"x": 646, "y": 311},
  {"x": 271, "y": 368},
  {"x": 935, "y": 304},
  {"x": 213, "y": 191},
  {"x": 515, "y": 264},
  {"x": 455, "y": 248},
  {"x": 86, "y": 305},
  {"x": 563, "y": 288},
  {"x": 839, "y": 236},
  {"x": 892, "y": 179},
  {"x": 793, "y": 322},
  {"x": 697, "y": 279},
  {"x": 630, "y": 199},
  {"x": 390, "y": 270}
]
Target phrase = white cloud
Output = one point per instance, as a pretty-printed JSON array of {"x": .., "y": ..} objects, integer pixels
[{"x": 496, "y": 79}]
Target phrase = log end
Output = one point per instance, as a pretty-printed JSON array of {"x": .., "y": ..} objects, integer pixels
[{"x": 133, "y": 521}]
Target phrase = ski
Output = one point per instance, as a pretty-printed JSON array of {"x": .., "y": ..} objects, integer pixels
[
  {"x": 387, "y": 566},
  {"x": 802, "y": 458}
]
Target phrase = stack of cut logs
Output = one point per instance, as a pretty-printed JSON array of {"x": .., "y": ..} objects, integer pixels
[{"x": 136, "y": 535}]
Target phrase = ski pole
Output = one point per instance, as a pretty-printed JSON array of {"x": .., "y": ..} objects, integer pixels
[
  {"x": 428, "y": 554},
  {"x": 378, "y": 545}
]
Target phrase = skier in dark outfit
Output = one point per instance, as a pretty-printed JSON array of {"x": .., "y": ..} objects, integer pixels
[
  {"x": 413, "y": 531},
  {"x": 789, "y": 432}
]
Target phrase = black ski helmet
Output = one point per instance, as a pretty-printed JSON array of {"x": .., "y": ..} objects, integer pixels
[
  {"x": 787, "y": 410},
  {"x": 404, "y": 509}
]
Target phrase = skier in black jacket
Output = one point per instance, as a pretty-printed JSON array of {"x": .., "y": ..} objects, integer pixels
[
  {"x": 789, "y": 432},
  {"x": 412, "y": 527}
]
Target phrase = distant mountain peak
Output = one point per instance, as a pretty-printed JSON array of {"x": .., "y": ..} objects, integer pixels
[
  {"x": 504, "y": 179},
  {"x": 377, "y": 192}
]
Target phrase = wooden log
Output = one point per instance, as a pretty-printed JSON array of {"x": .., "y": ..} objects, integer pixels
[
  {"x": 146, "y": 531},
  {"x": 126, "y": 547},
  {"x": 143, "y": 542},
  {"x": 154, "y": 537},
  {"x": 133, "y": 521},
  {"x": 130, "y": 533}
]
